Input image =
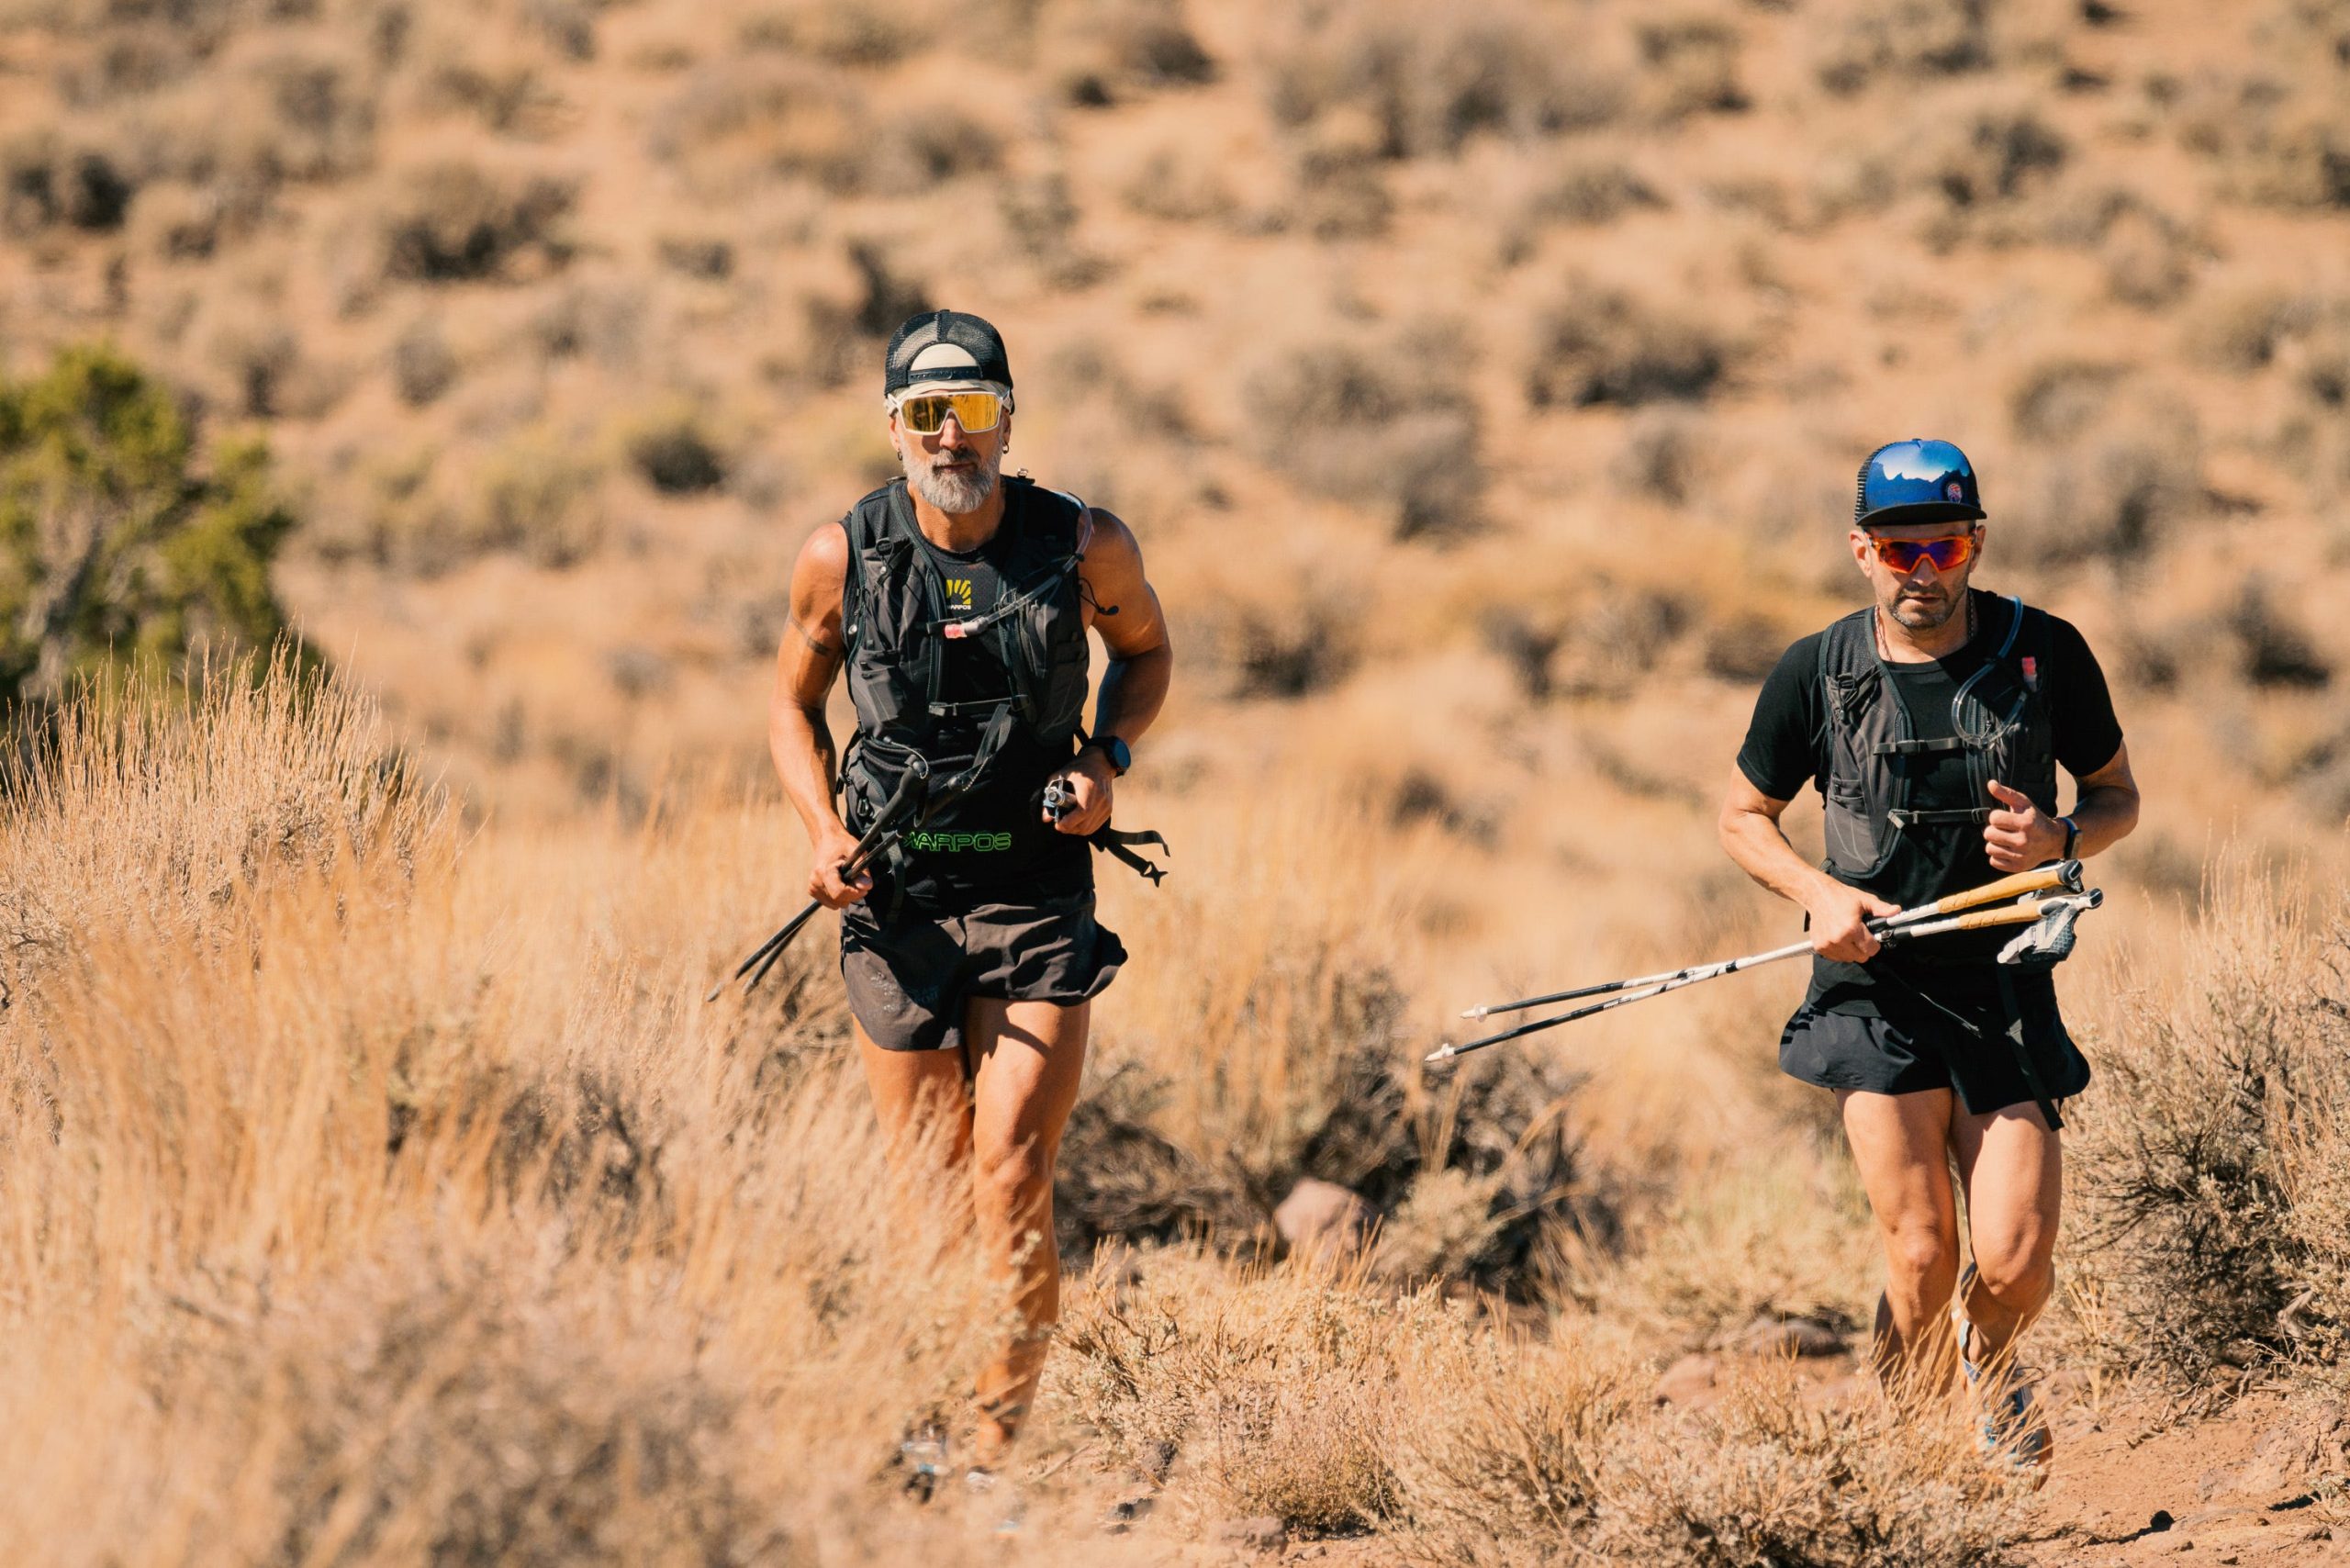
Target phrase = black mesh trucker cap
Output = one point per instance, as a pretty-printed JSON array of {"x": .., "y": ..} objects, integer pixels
[{"x": 945, "y": 345}]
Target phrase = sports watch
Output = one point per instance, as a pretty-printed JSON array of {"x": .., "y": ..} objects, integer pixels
[
  {"x": 1116, "y": 750},
  {"x": 2072, "y": 837}
]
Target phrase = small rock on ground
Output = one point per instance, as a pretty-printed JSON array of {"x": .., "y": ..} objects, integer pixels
[
  {"x": 1689, "y": 1381},
  {"x": 1768, "y": 1336},
  {"x": 1264, "y": 1533},
  {"x": 1322, "y": 1216}
]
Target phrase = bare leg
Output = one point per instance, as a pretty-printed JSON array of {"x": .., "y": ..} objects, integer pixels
[
  {"x": 925, "y": 1107},
  {"x": 1027, "y": 1058},
  {"x": 2012, "y": 1164},
  {"x": 1901, "y": 1144}
]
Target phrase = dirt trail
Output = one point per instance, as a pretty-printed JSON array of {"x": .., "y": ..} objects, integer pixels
[
  {"x": 2125, "y": 1489},
  {"x": 2236, "y": 1488}
]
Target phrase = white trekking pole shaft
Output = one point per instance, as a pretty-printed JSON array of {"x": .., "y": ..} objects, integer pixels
[
  {"x": 2065, "y": 874},
  {"x": 2023, "y": 913}
]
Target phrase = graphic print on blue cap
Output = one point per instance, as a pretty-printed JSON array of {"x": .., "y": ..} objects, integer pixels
[{"x": 1915, "y": 481}]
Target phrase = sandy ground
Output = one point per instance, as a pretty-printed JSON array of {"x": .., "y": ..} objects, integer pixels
[
  {"x": 2128, "y": 1485},
  {"x": 2240, "y": 1488}
]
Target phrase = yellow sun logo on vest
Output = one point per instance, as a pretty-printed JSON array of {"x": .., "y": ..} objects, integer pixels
[{"x": 958, "y": 593}]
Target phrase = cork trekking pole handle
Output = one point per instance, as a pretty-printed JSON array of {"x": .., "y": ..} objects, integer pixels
[
  {"x": 2019, "y": 914},
  {"x": 2064, "y": 873}
]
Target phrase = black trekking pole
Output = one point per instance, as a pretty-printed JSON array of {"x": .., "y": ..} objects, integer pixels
[
  {"x": 2062, "y": 909},
  {"x": 2064, "y": 873},
  {"x": 877, "y": 837}
]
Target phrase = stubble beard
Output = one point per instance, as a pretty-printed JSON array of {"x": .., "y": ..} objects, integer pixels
[
  {"x": 1925, "y": 615},
  {"x": 955, "y": 490}
]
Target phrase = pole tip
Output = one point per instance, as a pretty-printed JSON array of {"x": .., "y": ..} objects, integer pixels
[
  {"x": 1474, "y": 1012},
  {"x": 1442, "y": 1053}
]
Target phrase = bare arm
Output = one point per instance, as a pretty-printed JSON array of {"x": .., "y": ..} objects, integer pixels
[
  {"x": 1123, "y": 608},
  {"x": 1749, "y": 827},
  {"x": 799, "y": 739}
]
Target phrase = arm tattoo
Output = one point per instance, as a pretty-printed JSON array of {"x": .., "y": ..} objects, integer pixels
[{"x": 792, "y": 623}]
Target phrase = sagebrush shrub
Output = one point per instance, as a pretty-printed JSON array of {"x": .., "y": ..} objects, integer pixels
[
  {"x": 456, "y": 219},
  {"x": 2207, "y": 1159},
  {"x": 1432, "y": 77},
  {"x": 117, "y": 540},
  {"x": 1386, "y": 423},
  {"x": 1596, "y": 344}
]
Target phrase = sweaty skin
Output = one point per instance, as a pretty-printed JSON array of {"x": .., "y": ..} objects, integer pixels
[
  {"x": 2009, "y": 1162},
  {"x": 994, "y": 1110}
]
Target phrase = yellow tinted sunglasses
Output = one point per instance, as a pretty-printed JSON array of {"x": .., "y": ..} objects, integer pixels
[{"x": 925, "y": 412}]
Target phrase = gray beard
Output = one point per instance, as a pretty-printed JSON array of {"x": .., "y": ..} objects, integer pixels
[{"x": 954, "y": 493}]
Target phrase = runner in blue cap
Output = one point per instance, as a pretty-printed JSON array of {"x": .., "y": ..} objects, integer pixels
[{"x": 1933, "y": 723}]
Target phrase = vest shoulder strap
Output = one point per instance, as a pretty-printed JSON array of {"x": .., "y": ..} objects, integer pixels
[
  {"x": 866, "y": 524},
  {"x": 1847, "y": 659},
  {"x": 1053, "y": 523}
]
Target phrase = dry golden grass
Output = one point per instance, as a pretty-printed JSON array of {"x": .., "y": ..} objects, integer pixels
[
  {"x": 375, "y": 1190},
  {"x": 1485, "y": 389},
  {"x": 1312, "y": 1402},
  {"x": 337, "y": 1177}
]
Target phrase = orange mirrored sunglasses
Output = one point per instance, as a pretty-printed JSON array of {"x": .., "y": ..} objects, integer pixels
[
  {"x": 925, "y": 412},
  {"x": 1948, "y": 553}
]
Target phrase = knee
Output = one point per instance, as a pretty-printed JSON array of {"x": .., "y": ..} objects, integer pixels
[
  {"x": 2018, "y": 1272},
  {"x": 1920, "y": 1254},
  {"x": 1016, "y": 1182}
]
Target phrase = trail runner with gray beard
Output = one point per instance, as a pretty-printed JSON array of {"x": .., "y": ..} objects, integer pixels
[
  {"x": 1933, "y": 723},
  {"x": 957, "y": 601}
]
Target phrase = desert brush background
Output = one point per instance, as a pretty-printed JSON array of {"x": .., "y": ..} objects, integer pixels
[{"x": 1484, "y": 384}]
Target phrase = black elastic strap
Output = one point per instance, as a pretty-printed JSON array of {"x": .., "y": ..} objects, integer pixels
[
  {"x": 1918, "y": 748},
  {"x": 1117, "y": 844},
  {"x": 892, "y": 858},
  {"x": 1976, "y": 814}
]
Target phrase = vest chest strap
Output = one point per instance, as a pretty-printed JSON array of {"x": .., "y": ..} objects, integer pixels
[
  {"x": 1900, "y": 818},
  {"x": 1918, "y": 748}
]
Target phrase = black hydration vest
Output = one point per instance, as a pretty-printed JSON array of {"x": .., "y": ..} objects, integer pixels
[
  {"x": 2003, "y": 723},
  {"x": 896, "y": 625}
]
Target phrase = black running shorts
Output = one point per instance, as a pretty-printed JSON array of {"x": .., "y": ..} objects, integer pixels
[
  {"x": 909, "y": 980},
  {"x": 1898, "y": 1039}
]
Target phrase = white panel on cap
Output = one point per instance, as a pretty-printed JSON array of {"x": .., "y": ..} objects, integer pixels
[{"x": 944, "y": 356}]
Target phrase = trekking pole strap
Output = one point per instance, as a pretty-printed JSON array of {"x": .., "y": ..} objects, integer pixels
[{"x": 1120, "y": 846}]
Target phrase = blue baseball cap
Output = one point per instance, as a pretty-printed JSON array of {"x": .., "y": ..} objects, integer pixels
[{"x": 1915, "y": 481}]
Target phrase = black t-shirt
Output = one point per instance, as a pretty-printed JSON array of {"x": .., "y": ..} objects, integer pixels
[{"x": 1786, "y": 747}]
